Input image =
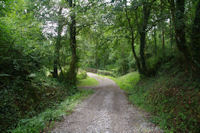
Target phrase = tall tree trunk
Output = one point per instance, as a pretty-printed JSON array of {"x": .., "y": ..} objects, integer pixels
[
  {"x": 142, "y": 32},
  {"x": 96, "y": 55},
  {"x": 134, "y": 53},
  {"x": 171, "y": 32},
  {"x": 162, "y": 29},
  {"x": 163, "y": 41},
  {"x": 74, "y": 60},
  {"x": 172, "y": 9},
  {"x": 180, "y": 29},
  {"x": 155, "y": 42},
  {"x": 56, "y": 60},
  {"x": 195, "y": 37},
  {"x": 142, "y": 48},
  {"x": 132, "y": 40},
  {"x": 57, "y": 46},
  {"x": 55, "y": 66}
]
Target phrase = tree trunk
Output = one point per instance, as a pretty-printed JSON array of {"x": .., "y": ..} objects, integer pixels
[
  {"x": 180, "y": 29},
  {"x": 142, "y": 32},
  {"x": 96, "y": 55},
  {"x": 73, "y": 64},
  {"x": 57, "y": 46},
  {"x": 134, "y": 53},
  {"x": 162, "y": 29},
  {"x": 163, "y": 41},
  {"x": 195, "y": 37},
  {"x": 171, "y": 33},
  {"x": 55, "y": 68},
  {"x": 155, "y": 42},
  {"x": 142, "y": 48}
]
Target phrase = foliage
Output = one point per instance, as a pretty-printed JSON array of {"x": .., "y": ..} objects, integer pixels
[
  {"x": 41, "y": 93},
  {"x": 18, "y": 62},
  {"x": 25, "y": 88},
  {"x": 81, "y": 74}
]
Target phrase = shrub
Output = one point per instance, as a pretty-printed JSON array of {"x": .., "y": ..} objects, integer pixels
[{"x": 81, "y": 74}]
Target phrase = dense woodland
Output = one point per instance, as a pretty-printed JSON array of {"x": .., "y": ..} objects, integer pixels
[{"x": 45, "y": 46}]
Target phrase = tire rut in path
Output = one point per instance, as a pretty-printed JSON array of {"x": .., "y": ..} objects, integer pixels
[{"x": 106, "y": 111}]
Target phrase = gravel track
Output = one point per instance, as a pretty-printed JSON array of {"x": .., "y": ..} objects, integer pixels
[{"x": 106, "y": 111}]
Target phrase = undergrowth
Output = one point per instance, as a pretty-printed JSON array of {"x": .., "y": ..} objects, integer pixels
[
  {"x": 45, "y": 121},
  {"x": 26, "y": 98},
  {"x": 23, "y": 100},
  {"x": 173, "y": 98}
]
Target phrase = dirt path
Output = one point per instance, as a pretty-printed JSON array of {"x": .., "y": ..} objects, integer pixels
[{"x": 106, "y": 111}]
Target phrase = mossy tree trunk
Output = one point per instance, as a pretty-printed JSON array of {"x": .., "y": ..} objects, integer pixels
[
  {"x": 57, "y": 45},
  {"x": 71, "y": 75},
  {"x": 142, "y": 31},
  {"x": 195, "y": 38},
  {"x": 180, "y": 28}
]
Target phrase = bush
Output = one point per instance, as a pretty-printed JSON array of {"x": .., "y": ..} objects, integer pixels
[
  {"x": 81, "y": 75},
  {"x": 16, "y": 90}
]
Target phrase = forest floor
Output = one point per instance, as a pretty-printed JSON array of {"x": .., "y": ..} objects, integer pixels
[{"x": 106, "y": 111}]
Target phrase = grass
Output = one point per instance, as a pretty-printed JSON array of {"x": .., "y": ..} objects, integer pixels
[
  {"x": 45, "y": 121},
  {"x": 127, "y": 81},
  {"x": 87, "y": 82}
]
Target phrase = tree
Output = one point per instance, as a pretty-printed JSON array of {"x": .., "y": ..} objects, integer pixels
[
  {"x": 58, "y": 43},
  {"x": 178, "y": 14},
  {"x": 74, "y": 60},
  {"x": 195, "y": 37},
  {"x": 146, "y": 10},
  {"x": 133, "y": 37}
]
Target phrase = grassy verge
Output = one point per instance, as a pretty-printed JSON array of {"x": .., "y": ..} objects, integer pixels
[
  {"x": 173, "y": 99},
  {"x": 87, "y": 82},
  {"x": 44, "y": 121},
  {"x": 127, "y": 81}
]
